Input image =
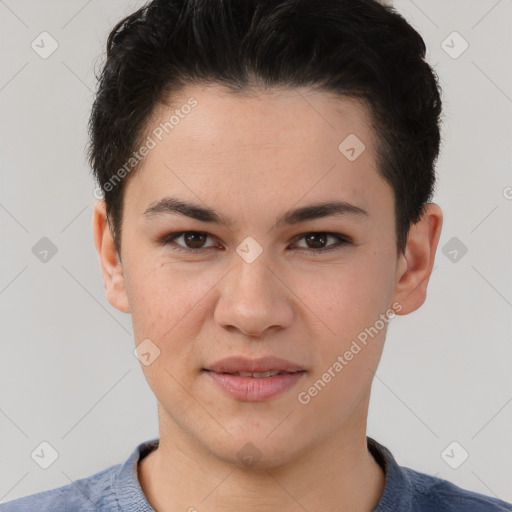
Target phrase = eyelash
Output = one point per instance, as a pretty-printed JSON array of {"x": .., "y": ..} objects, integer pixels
[{"x": 342, "y": 240}]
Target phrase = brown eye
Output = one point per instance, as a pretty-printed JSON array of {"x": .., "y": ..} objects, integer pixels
[
  {"x": 317, "y": 241},
  {"x": 193, "y": 241}
]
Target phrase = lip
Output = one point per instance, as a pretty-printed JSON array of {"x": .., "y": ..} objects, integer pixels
[
  {"x": 244, "y": 364},
  {"x": 254, "y": 389}
]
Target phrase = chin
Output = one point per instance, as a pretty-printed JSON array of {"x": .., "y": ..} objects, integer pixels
[{"x": 259, "y": 448}]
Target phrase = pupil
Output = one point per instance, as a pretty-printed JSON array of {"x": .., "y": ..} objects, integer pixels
[
  {"x": 312, "y": 236},
  {"x": 189, "y": 240}
]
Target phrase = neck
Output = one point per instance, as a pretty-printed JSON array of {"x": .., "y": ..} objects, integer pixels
[{"x": 340, "y": 474}]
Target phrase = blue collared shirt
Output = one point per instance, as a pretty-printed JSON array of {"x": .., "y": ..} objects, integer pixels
[{"x": 117, "y": 489}]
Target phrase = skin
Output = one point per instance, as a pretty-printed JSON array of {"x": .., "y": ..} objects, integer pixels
[{"x": 251, "y": 158}]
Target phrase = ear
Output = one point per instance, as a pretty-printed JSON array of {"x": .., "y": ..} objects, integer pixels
[
  {"x": 414, "y": 267},
  {"x": 110, "y": 261}
]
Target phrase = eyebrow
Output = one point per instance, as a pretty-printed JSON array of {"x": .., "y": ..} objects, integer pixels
[{"x": 174, "y": 206}]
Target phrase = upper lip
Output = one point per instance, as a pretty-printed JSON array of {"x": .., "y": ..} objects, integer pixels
[{"x": 244, "y": 364}]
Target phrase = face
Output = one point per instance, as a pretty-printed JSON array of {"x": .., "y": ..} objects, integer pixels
[{"x": 251, "y": 271}]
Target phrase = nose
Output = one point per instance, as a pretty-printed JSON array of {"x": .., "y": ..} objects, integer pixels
[{"x": 254, "y": 299}]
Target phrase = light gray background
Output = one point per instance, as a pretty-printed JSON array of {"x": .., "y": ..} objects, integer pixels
[{"x": 67, "y": 372}]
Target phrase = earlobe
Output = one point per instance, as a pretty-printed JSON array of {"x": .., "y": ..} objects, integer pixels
[
  {"x": 110, "y": 263},
  {"x": 415, "y": 265}
]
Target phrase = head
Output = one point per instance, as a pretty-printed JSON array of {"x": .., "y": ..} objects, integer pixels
[{"x": 221, "y": 118}]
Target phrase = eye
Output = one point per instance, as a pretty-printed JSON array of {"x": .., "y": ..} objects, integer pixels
[
  {"x": 318, "y": 239},
  {"x": 194, "y": 241}
]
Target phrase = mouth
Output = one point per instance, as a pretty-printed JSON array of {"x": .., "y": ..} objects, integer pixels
[
  {"x": 257, "y": 375},
  {"x": 254, "y": 380},
  {"x": 255, "y": 367}
]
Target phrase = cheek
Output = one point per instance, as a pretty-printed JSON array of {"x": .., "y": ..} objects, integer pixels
[
  {"x": 168, "y": 308},
  {"x": 348, "y": 297},
  {"x": 349, "y": 302},
  {"x": 348, "y": 349},
  {"x": 168, "y": 303}
]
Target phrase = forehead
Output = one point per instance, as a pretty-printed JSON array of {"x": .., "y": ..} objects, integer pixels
[
  {"x": 282, "y": 117},
  {"x": 268, "y": 146}
]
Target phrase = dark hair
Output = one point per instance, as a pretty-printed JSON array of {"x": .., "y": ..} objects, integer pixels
[{"x": 355, "y": 48}]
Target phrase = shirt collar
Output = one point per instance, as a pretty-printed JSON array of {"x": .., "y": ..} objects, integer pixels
[{"x": 131, "y": 498}]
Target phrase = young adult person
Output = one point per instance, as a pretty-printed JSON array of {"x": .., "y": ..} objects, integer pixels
[{"x": 267, "y": 170}]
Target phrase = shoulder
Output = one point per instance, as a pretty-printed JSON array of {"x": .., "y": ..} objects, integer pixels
[
  {"x": 432, "y": 493},
  {"x": 408, "y": 490},
  {"x": 94, "y": 493}
]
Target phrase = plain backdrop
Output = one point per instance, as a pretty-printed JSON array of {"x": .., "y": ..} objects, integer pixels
[{"x": 68, "y": 376}]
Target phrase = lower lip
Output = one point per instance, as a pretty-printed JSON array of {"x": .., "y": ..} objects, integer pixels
[{"x": 252, "y": 389}]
